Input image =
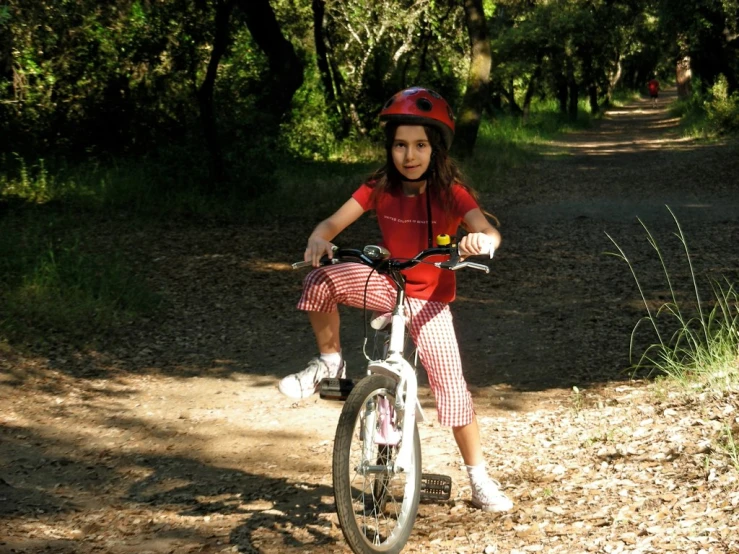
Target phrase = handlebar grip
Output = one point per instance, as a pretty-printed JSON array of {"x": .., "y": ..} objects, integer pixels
[{"x": 486, "y": 250}]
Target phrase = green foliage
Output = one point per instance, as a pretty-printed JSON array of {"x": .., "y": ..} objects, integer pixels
[
  {"x": 119, "y": 81},
  {"x": 508, "y": 141},
  {"x": 709, "y": 114},
  {"x": 309, "y": 132},
  {"x": 309, "y": 174},
  {"x": 706, "y": 32},
  {"x": 565, "y": 49},
  {"x": 382, "y": 52},
  {"x": 722, "y": 108},
  {"x": 697, "y": 341}
]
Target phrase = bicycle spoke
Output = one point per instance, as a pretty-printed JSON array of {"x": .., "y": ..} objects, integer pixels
[{"x": 376, "y": 506}]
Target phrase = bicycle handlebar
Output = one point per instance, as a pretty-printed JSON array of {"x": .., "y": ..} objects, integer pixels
[{"x": 379, "y": 258}]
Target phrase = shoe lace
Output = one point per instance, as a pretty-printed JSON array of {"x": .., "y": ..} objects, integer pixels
[
  {"x": 488, "y": 489},
  {"x": 310, "y": 372}
]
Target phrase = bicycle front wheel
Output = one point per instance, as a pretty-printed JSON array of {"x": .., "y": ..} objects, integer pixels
[{"x": 376, "y": 506}]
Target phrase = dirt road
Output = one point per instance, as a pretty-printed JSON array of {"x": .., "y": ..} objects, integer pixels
[{"x": 172, "y": 437}]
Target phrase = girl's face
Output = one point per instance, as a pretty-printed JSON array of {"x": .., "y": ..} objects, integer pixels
[{"x": 411, "y": 151}]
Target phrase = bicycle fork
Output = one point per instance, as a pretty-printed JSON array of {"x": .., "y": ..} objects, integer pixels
[{"x": 381, "y": 417}]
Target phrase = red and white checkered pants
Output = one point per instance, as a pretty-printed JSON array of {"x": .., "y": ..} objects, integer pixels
[{"x": 430, "y": 324}]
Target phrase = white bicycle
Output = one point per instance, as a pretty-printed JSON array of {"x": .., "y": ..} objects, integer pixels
[{"x": 377, "y": 476}]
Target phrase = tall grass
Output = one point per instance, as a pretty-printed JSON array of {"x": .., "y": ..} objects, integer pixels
[{"x": 697, "y": 340}]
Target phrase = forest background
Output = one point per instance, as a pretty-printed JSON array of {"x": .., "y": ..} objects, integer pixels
[{"x": 256, "y": 110}]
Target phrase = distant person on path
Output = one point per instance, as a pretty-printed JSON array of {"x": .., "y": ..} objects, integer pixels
[
  {"x": 419, "y": 193},
  {"x": 653, "y": 86}
]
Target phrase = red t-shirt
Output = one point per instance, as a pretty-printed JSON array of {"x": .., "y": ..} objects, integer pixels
[
  {"x": 653, "y": 86},
  {"x": 403, "y": 224}
]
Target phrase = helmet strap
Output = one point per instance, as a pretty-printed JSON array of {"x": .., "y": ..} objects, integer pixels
[{"x": 428, "y": 216}]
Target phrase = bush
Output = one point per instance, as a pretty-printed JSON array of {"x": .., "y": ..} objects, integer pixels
[
  {"x": 722, "y": 108},
  {"x": 711, "y": 113}
]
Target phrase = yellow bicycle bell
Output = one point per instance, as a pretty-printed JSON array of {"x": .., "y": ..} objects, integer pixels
[{"x": 443, "y": 240}]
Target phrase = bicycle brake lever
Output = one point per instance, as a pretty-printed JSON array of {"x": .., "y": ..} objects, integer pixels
[
  {"x": 453, "y": 260},
  {"x": 472, "y": 265},
  {"x": 460, "y": 265}
]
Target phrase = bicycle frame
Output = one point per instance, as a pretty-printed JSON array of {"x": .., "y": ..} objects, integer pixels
[{"x": 395, "y": 366}]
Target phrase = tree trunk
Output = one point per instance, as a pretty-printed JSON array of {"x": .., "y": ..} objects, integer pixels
[
  {"x": 593, "y": 98},
  {"x": 330, "y": 77},
  {"x": 573, "y": 92},
  {"x": 531, "y": 89},
  {"x": 286, "y": 69},
  {"x": 6, "y": 58},
  {"x": 561, "y": 81},
  {"x": 426, "y": 37},
  {"x": 510, "y": 96},
  {"x": 574, "y": 99},
  {"x": 478, "y": 79},
  {"x": 205, "y": 94},
  {"x": 683, "y": 76},
  {"x": 589, "y": 79},
  {"x": 613, "y": 81},
  {"x": 339, "y": 87},
  {"x": 319, "y": 14}
]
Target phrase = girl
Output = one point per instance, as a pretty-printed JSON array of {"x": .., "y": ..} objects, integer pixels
[{"x": 416, "y": 195}]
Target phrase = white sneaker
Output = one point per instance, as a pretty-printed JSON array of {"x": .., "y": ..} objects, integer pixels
[
  {"x": 487, "y": 496},
  {"x": 306, "y": 383}
]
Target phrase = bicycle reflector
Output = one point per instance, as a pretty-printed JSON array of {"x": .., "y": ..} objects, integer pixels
[{"x": 443, "y": 240}]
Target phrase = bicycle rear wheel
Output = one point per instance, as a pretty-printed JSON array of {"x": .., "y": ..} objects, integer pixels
[{"x": 376, "y": 507}]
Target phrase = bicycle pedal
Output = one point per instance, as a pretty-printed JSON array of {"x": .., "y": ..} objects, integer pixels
[
  {"x": 336, "y": 389},
  {"x": 435, "y": 487}
]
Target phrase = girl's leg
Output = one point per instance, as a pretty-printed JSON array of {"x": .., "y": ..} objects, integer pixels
[
  {"x": 433, "y": 331},
  {"x": 326, "y": 327},
  {"x": 324, "y": 289},
  {"x": 468, "y": 441},
  {"x": 349, "y": 284}
]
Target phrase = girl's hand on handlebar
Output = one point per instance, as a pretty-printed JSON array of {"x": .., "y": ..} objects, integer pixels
[
  {"x": 476, "y": 244},
  {"x": 316, "y": 249}
]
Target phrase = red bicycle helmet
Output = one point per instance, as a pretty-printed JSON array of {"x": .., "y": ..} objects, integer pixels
[{"x": 421, "y": 106}]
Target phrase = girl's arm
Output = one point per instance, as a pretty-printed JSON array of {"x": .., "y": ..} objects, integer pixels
[
  {"x": 319, "y": 241},
  {"x": 481, "y": 234}
]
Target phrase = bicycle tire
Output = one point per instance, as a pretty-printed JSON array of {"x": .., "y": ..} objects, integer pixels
[{"x": 376, "y": 510}]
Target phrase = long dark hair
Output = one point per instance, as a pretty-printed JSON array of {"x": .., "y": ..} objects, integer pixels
[{"x": 442, "y": 174}]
